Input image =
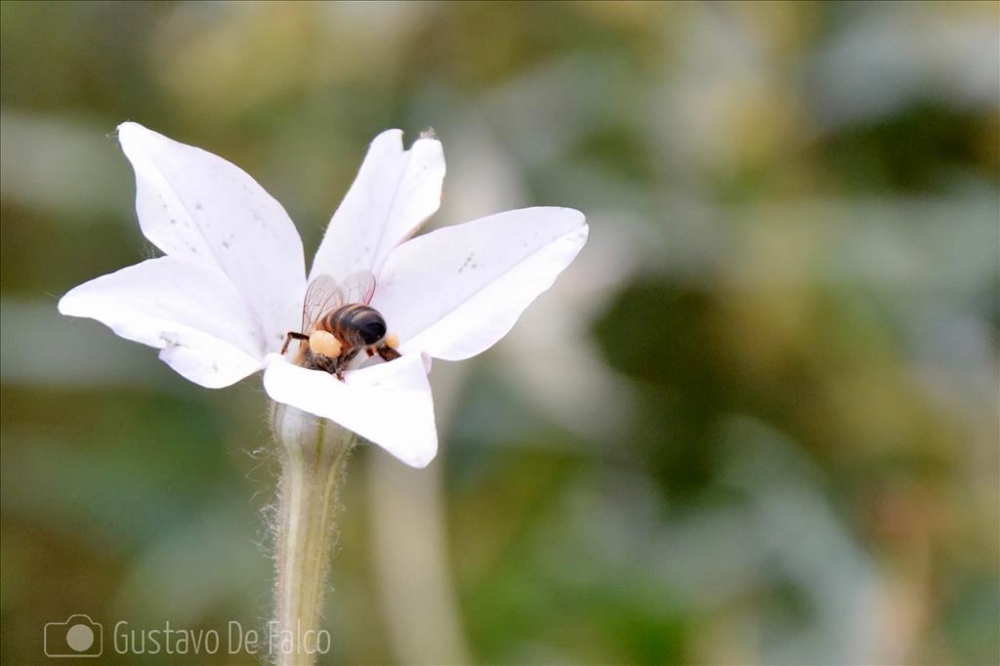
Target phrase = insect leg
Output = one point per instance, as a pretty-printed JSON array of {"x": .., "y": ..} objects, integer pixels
[
  {"x": 343, "y": 360},
  {"x": 292, "y": 335},
  {"x": 388, "y": 353}
]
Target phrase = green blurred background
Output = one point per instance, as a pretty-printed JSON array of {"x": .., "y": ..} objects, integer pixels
[{"x": 755, "y": 422}]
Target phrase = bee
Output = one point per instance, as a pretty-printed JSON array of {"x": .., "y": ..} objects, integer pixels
[{"x": 338, "y": 323}]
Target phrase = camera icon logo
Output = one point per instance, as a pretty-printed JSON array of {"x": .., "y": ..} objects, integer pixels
[{"x": 78, "y": 636}]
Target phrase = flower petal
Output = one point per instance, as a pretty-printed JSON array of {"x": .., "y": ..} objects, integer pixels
[
  {"x": 197, "y": 206},
  {"x": 389, "y": 403},
  {"x": 189, "y": 310},
  {"x": 393, "y": 193},
  {"x": 456, "y": 291}
]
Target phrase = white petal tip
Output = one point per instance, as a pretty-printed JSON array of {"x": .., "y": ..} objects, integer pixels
[
  {"x": 129, "y": 129},
  {"x": 571, "y": 213},
  {"x": 390, "y": 136},
  {"x": 74, "y": 304}
]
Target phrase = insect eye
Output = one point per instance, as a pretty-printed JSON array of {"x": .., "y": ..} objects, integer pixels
[{"x": 372, "y": 330}]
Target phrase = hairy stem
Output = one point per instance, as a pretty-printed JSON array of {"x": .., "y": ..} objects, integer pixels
[{"x": 313, "y": 454}]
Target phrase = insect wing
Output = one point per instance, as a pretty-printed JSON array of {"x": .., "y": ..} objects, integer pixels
[
  {"x": 322, "y": 296},
  {"x": 359, "y": 287}
]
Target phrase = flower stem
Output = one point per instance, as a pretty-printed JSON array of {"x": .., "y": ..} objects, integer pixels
[{"x": 313, "y": 453}]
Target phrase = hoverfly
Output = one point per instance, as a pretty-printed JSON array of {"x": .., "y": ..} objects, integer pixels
[{"x": 337, "y": 323}]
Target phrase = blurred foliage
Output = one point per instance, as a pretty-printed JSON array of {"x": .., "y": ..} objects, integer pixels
[{"x": 757, "y": 422}]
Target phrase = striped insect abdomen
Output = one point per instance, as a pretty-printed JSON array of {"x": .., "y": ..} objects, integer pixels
[{"x": 354, "y": 325}]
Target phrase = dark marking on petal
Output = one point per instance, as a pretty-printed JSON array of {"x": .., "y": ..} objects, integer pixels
[{"x": 469, "y": 262}]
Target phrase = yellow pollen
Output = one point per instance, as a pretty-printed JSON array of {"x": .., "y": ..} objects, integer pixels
[{"x": 323, "y": 342}]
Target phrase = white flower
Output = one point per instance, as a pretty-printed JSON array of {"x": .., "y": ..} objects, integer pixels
[{"x": 232, "y": 283}]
